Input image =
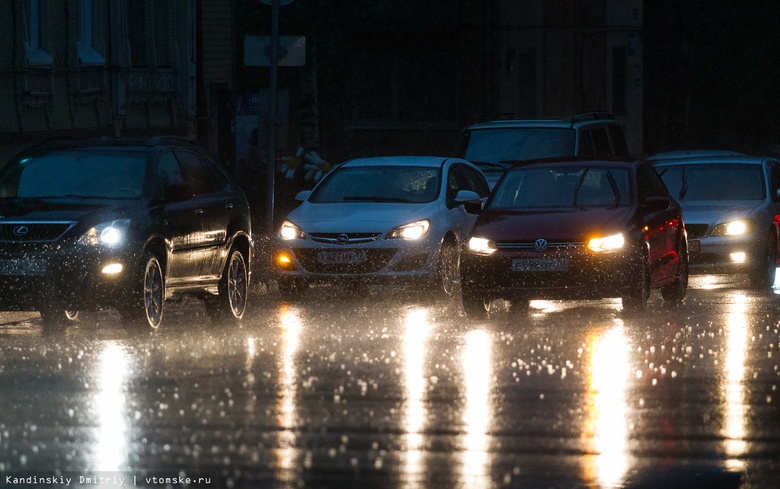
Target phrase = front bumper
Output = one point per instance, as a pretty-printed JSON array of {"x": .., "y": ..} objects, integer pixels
[{"x": 722, "y": 254}]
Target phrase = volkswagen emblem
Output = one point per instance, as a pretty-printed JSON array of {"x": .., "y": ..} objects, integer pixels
[
  {"x": 21, "y": 231},
  {"x": 540, "y": 244},
  {"x": 342, "y": 239}
]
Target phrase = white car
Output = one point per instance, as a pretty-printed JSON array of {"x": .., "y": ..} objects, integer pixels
[
  {"x": 731, "y": 204},
  {"x": 394, "y": 219}
]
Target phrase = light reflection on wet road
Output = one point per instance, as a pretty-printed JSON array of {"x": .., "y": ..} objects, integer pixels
[{"x": 391, "y": 391}]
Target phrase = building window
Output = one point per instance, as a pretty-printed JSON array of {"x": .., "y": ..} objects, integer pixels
[
  {"x": 404, "y": 89},
  {"x": 619, "y": 75},
  {"x": 35, "y": 32},
  {"x": 90, "y": 33},
  {"x": 149, "y": 37}
]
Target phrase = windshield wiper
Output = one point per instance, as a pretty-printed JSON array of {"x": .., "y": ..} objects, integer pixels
[
  {"x": 684, "y": 186},
  {"x": 367, "y": 198},
  {"x": 579, "y": 185},
  {"x": 615, "y": 189}
]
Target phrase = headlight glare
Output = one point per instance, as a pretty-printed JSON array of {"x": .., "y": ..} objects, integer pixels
[
  {"x": 733, "y": 228},
  {"x": 411, "y": 231},
  {"x": 606, "y": 244},
  {"x": 482, "y": 246},
  {"x": 110, "y": 233},
  {"x": 290, "y": 231}
]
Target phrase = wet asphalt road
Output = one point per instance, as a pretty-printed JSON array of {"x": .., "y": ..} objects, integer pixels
[{"x": 398, "y": 391}]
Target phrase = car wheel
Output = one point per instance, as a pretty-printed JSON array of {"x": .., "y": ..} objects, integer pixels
[
  {"x": 447, "y": 269},
  {"x": 674, "y": 293},
  {"x": 763, "y": 276},
  {"x": 291, "y": 287},
  {"x": 145, "y": 311},
  {"x": 52, "y": 318},
  {"x": 231, "y": 302},
  {"x": 475, "y": 305},
  {"x": 635, "y": 299}
]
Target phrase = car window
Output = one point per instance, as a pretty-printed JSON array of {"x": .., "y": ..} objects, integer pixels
[
  {"x": 519, "y": 143},
  {"x": 403, "y": 184},
  {"x": 563, "y": 187},
  {"x": 774, "y": 175},
  {"x": 475, "y": 181},
  {"x": 79, "y": 173},
  {"x": 618, "y": 138},
  {"x": 600, "y": 141},
  {"x": 168, "y": 172},
  {"x": 714, "y": 181},
  {"x": 586, "y": 143},
  {"x": 201, "y": 178}
]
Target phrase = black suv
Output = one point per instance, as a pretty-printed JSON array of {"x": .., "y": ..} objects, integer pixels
[
  {"x": 496, "y": 144},
  {"x": 91, "y": 224}
]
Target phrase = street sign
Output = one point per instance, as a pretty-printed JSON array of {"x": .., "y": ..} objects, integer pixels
[{"x": 292, "y": 51}]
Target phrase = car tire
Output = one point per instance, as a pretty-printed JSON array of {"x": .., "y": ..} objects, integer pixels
[
  {"x": 231, "y": 302},
  {"x": 144, "y": 311},
  {"x": 475, "y": 305},
  {"x": 291, "y": 287},
  {"x": 635, "y": 300},
  {"x": 763, "y": 276},
  {"x": 447, "y": 270},
  {"x": 54, "y": 319},
  {"x": 674, "y": 293}
]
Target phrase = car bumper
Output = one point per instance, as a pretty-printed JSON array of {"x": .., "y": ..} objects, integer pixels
[
  {"x": 589, "y": 275},
  {"x": 73, "y": 278},
  {"x": 726, "y": 254}
]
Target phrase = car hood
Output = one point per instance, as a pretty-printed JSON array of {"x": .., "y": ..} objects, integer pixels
[
  {"x": 358, "y": 217},
  {"x": 570, "y": 225},
  {"x": 60, "y": 210},
  {"x": 717, "y": 212}
]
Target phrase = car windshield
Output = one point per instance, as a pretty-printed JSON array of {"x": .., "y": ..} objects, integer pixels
[
  {"x": 559, "y": 187},
  {"x": 713, "y": 181},
  {"x": 489, "y": 147},
  {"x": 77, "y": 174},
  {"x": 405, "y": 184}
]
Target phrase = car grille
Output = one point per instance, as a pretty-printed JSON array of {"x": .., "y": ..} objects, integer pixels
[
  {"x": 375, "y": 261},
  {"x": 696, "y": 230},
  {"x": 33, "y": 232},
  {"x": 529, "y": 245},
  {"x": 344, "y": 238}
]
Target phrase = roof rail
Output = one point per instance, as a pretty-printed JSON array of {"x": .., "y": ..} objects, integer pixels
[
  {"x": 157, "y": 140},
  {"x": 500, "y": 116},
  {"x": 584, "y": 116}
]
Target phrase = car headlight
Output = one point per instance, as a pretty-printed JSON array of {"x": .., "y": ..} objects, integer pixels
[
  {"x": 607, "y": 243},
  {"x": 413, "y": 230},
  {"x": 482, "y": 246},
  {"x": 110, "y": 233},
  {"x": 734, "y": 228},
  {"x": 290, "y": 231}
]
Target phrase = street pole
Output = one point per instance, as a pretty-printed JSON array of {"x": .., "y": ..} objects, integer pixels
[{"x": 272, "y": 120}]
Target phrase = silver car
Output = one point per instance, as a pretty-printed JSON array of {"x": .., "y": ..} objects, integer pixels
[{"x": 731, "y": 204}]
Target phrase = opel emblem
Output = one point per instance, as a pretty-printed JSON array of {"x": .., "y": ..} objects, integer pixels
[
  {"x": 540, "y": 244},
  {"x": 342, "y": 239},
  {"x": 21, "y": 231}
]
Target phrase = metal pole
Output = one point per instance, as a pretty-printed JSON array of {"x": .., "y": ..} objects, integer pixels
[{"x": 272, "y": 122}]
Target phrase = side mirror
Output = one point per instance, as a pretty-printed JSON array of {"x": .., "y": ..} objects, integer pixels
[
  {"x": 473, "y": 206},
  {"x": 302, "y": 195},
  {"x": 656, "y": 203},
  {"x": 464, "y": 196},
  {"x": 179, "y": 192}
]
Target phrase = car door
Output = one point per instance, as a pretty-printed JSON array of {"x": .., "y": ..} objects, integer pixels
[
  {"x": 663, "y": 226},
  {"x": 181, "y": 221},
  {"x": 213, "y": 207}
]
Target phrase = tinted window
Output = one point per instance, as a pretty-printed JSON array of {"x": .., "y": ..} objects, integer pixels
[
  {"x": 714, "y": 181},
  {"x": 618, "y": 138},
  {"x": 563, "y": 187},
  {"x": 196, "y": 172},
  {"x": 168, "y": 171},
  {"x": 476, "y": 181},
  {"x": 76, "y": 173},
  {"x": 600, "y": 141},
  {"x": 512, "y": 144},
  {"x": 774, "y": 172},
  {"x": 406, "y": 184}
]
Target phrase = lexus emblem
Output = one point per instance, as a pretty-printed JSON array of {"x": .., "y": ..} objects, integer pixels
[
  {"x": 21, "y": 231},
  {"x": 342, "y": 239},
  {"x": 540, "y": 244}
]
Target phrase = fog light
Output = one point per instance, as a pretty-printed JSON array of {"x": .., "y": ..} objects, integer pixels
[
  {"x": 113, "y": 268},
  {"x": 284, "y": 261},
  {"x": 738, "y": 257}
]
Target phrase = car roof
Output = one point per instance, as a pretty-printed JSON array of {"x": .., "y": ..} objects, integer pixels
[
  {"x": 113, "y": 143},
  {"x": 579, "y": 161},
  {"x": 693, "y": 153},
  {"x": 738, "y": 158},
  {"x": 584, "y": 119},
  {"x": 427, "y": 161}
]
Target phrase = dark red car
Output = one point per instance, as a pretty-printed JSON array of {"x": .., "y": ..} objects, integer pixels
[{"x": 576, "y": 229}]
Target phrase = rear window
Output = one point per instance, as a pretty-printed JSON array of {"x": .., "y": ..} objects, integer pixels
[
  {"x": 77, "y": 173},
  {"x": 570, "y": 187},
  {"x": 713, "y": 181}
]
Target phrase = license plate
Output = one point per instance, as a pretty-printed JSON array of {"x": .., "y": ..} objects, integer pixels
[
  {"x": 694, "y": 246},
  {"x": 22, "y": 267},
  {"x": 540, "y": 264},
  {"x": 341, "y": 257}
]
